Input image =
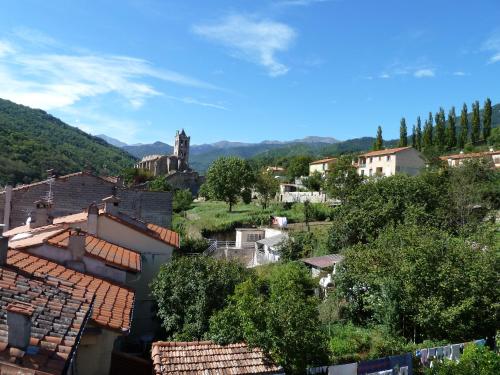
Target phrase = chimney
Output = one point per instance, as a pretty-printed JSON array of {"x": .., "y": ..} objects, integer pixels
[
  {"x": 19, "y": 324},
  {"x": 92, "y": 216},
  {"x": 76, "y": 244},
  {"x": 42, "y": 218},
  {"x": 111, "y": 204},
  {"x": 4, "y": 246}
]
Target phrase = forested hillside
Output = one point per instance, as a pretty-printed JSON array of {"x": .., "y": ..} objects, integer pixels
[{"x": 32, "y": 141}]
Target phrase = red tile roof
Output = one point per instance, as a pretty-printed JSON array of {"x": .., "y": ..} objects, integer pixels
[
  {"x": 113, "y": 303},
  {"x": 168, "y": 236},
  {"x": 324, "y": 261},
  {"x": 322, "y": 161},
  {"x": 95, "y": 247},
  {"x": 58, "y": 313},
  {"x": 207, "y": 358},
  {"x": 470, "y": 155},
  {"x": 388, "y": 151}
]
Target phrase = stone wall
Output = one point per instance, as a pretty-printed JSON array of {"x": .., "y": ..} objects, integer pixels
[
  {"x": 74, "y": 192},
  {"x": 186, "y": 180}
]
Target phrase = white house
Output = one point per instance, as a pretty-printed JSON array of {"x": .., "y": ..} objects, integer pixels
[
  {"x": 391, "y": 161},
  {"x": 322, "y": 166},
  {"x": 267, "y": 250}
]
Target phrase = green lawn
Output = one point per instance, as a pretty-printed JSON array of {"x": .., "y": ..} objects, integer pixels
[{"x": 208, "y": 217}]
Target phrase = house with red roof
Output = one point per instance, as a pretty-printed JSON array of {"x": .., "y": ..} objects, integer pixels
[{"x": 391, "y": 161}]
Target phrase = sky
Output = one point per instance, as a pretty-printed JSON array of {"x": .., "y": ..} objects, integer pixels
[{"x": 247, "y": 70}]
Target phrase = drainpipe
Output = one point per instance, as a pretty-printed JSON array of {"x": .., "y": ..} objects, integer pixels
[{"x": 7, "y": 207}]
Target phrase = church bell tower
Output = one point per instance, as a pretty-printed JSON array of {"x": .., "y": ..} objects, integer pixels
[{"x": 181, "y": 149}]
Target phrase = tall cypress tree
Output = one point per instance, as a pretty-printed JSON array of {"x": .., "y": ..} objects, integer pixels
[
  {"x": 427, "y": 136},
  {"x": 451, "y": 129},
  {"x": 464, "y": 127},
  {"x": 414, "y": 137},
  {"x": 419, "y": 134},
  {"x": 440, "y": 140},
  {"x": 487, "y": 112},
  {"x": 476, "y": 123},
  {"x": 403, "y": 133},
  {"x": 379, "y": 141}
]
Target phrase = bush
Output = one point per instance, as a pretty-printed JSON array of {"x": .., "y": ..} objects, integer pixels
[
  {"x": 476, "y": 360},
  {"x": 182, "y": 200}
]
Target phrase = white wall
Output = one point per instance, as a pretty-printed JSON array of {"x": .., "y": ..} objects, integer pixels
[
  {"x": 94, "y": 352},
  {"x": 321, "y": 168}
]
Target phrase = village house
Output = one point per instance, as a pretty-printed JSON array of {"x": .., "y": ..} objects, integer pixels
[
  {"x": 390, "y": 161},
  {"x": 321, "y": 166},
  {"x": 458, "y": 159},
  {"x": 104, "y": 308},
  {"x": 153, "y": 245},
  {"x": 267, "y": 249},
  {"x": 277, "y": 172},
  {"x": 71, "y": 193},
  {"x": 206, "y": 357}
]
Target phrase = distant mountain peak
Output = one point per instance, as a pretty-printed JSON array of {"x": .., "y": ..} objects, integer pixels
[{"x": 112, "y": 141}]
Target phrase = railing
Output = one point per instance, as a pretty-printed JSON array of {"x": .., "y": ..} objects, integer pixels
[{"x": 217, "y": 245}]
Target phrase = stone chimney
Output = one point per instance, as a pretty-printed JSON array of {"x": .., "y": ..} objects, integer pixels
[
  {"x": 41, "y": 214},
  {"x": 111, "y": 204},
  {"x": 92, "y": 217},
  {"x": 76, "y": 244},
  {"x": 19, "y": 324},
  {"x": 4, "y": 246}
]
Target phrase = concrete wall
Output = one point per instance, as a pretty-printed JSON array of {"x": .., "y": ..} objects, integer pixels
[
  {"x": 243, "y": 234},
  {"x": 302, "y": 196},
  {"x": 154, "y": 253},
  {"x": 321, "y": 168},
  {"x": 93, "y": 356},
  {"x": 410, "y": 162},
  {"x": 73, "y": 193}
]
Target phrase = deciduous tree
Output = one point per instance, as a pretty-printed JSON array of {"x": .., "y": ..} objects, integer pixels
[{"x": 267, "y": 186}]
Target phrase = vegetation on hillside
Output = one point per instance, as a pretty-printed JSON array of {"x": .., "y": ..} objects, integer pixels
[{"x": 32, "y": 141}]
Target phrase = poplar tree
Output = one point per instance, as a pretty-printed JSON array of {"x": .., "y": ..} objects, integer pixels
[
  {"x": 414, "y": 137},
  {"x": 403, "y": 134},
  {"x": 379, "y": 141},
  {"x": 476, "y": 123},
  {"x": 464, "y": 127},
  {"x": 427, "y": 136},
  {"x": 451, "y": 130},
  {"x": 487, "y": 112},
  {"x": 440, "y": 129},
  {"x": 419, "y": 134}
]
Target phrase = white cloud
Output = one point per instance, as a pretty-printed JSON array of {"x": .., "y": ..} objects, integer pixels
[
  {"x": 422, "y": 73},
  {"x": 254, "y": 40},
  {"x": 492, "y": 44},
  {"x": 51, "y": 81},
  {"x": 385, "y": 76},
  {"x": 459, "y": 73},
  {"x": 299, "y": 2},
  {"x": 35, "y": 37},
  {"x": 190, "y": 100}
]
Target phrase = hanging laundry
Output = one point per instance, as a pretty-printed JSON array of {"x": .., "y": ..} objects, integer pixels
[
  {"x": 347, "y": 369},
  {"x": 455, "y": 352},
  {"x": 402, "y": 364},
  {"x": 373, "y": 366}
]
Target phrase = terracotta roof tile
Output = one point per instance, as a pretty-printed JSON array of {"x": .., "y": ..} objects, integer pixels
[
  {"x": 166, "y": 235},
  {"x": 470, "y": 155},
  {"x": 388, "y": 151},
  {"x": 113, "y": 300},
  {"x": 321, "y": 161},
  {"x": 49, "y": 324},
  {"x": 205, "y": 357}
]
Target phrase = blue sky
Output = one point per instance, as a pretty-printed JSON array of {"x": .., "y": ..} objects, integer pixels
[{"x": 249, "y": 70}]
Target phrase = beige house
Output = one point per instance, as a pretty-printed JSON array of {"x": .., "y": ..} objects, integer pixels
[
  {"x": 322, "y": 166},
  {"x": 391, "y": 161},
  {"x": 458, "y": 159}
]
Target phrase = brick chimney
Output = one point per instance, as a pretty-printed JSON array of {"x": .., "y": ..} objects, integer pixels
[
  {"x": 76, "y": 246},
  {"x": 19, "y": 324},
  {"x": 111, "y": 204},
  {"x": 4, "y": 246},
  {"x": 42, "y": 218},
  {"x": 92, "y": 217}
]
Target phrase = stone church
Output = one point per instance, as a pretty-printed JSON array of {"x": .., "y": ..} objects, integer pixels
[{"x": 175, "y": 167}]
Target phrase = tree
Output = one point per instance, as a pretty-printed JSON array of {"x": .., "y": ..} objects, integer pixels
[
  {"x": 159, "y": 183},
  {"x": 343, "y": 179},
  {"x": 476, "y": 360},
  {"x": 403, "y": 134},
  {"x": 427, "y": 136},
  {"x": 383, "y": 281},
  {"x": 464, "y": 127},
  {"x": 414, "y": 137},
  {"x": 267, "y": 186},
  {"x": 188, "y": 290},
  {"x": 451, "y": 130},
  {"x": 419, "y": 134},
  {"x": 227, "y": 178},
  {"x": 379, "y": 141},
  {"x": 298, "y": 167},
  {"x": 440, "y": 130},
  {"x": 476, "y": 123},
  {"x": 487, "y": 112},
  {"x": 277, "y": 312},
  {"x": 182, "y": 200},
  {"x": 313, "y": 182}
]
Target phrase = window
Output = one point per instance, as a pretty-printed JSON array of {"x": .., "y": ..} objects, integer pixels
[
  {"x": 253, "y": 237},
  {"x": 388, "y": 157},
  {"x": 370, "y": 172},
  {"x": 362, "y": 172},
  {"x": 371, "y": 159}
]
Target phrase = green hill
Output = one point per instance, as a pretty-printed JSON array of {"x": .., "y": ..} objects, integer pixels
[{"x": 32, "y": 141}]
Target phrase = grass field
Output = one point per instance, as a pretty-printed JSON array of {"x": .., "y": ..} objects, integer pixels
[{"x": 205, "y": 218}]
